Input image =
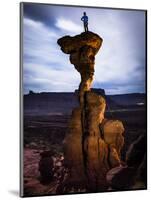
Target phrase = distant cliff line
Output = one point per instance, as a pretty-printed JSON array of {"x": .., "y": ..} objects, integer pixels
[{"x": 63, "y": 102}]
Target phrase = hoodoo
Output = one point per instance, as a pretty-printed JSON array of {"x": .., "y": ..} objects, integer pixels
[{"x": 93, "y": 144}]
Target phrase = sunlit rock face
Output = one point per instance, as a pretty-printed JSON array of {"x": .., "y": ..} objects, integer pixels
[
  {"x": 95, "y": 149},
  {"x": 73, "y": 151},
  {"x": 113, "y": 135},
  {"x": 82, "y": 49},
  {"x": 93, "y": 144}
]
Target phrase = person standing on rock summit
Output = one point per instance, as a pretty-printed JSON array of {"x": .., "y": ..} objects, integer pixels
[{"x": 85, "y": 21}]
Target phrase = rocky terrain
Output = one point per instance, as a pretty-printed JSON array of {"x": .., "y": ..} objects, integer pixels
[{"x": 42, "y": 133}]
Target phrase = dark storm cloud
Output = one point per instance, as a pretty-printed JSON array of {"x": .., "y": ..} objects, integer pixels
[
  {"x": 47, "y": 13},
  {"x": 38, "y": 12}
]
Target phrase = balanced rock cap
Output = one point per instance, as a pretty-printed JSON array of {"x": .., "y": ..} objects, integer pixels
[{"x": 70, "y": 44}]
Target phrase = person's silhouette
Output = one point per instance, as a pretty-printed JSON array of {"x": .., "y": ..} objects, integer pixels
[{"x": 84, "y": 18}]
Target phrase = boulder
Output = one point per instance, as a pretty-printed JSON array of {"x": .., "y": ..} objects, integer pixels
[
  {"x": 121, "y": 177},
  {"x": 46, "y": 167},
  {"x": 133, "y": 175}
]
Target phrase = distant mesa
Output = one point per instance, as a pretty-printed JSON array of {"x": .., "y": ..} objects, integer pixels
[
  {"x": 44, "y": 103},
  {"x": 31, "y": 92}
]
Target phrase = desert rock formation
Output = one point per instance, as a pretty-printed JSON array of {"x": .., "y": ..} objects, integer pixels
[
  {"x": 93, "y": 144},
  {"x": 82, "y": 49}
]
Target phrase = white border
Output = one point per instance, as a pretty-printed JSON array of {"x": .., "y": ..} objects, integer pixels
[{"x": 9, "y": 104}]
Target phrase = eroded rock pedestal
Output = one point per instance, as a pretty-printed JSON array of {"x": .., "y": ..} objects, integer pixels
[
  {"x": 82, "y": 49},
  {"x": 93, "y": 144}
]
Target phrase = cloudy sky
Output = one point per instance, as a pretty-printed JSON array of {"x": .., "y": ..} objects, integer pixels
[{"x": 119, "y": 65}]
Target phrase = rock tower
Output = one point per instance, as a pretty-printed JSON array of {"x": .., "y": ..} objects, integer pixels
[{"x": 93, "y": 144}]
